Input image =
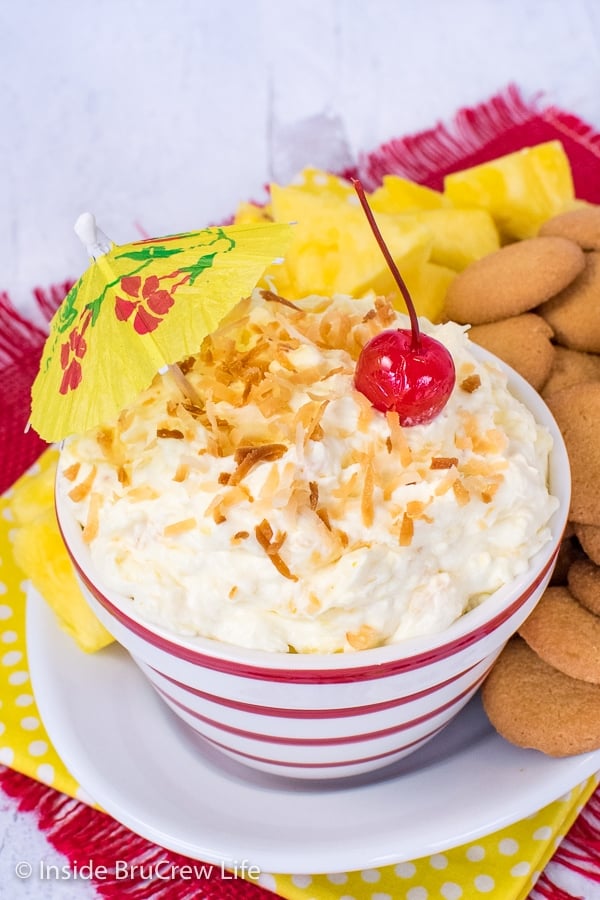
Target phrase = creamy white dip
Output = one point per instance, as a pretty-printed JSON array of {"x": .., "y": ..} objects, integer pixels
[{"x": 278, "y": 510}]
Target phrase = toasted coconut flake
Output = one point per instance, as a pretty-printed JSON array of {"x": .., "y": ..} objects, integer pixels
[
  {"x": 72, "y": 472},
  {"x": 240, "y": 536},
  {"x": 460, "y": 492},
  {"x": 105, "y": 438},
  {"x": 342, "y": 536},
  {"x": 391, "y": 483},
  {"x": 398, "y": 438},
  {"x": 493, "y": 441},
  {"x": 90, "y": 529},
  {"x": 324, "y": 517},
  {"x": 463, "y": 442},
  {"x": 174, "y": 433},
  {"x": 407, "y": 530},
  {"x": 314, "y": 604},
  {"x": 271, "y": 296},
  {"x": 222, "y": 502},
  {"x": 487, "y": 494},
  {"x": 314, "y": 431},
  {"x": 224, "y": 477},
  {"x": 143, "y": 492},
  {"x": 249, "y": 457},
  {"x": 444, "y": 486},
  {"x": 443, "y": 462},
  {"x": 483, "y": 466},
  {"x": 271, "y": 484},
  {"x": 367, "y": 508},
  {"x": 363, "y": 639},
  {"x": 195, "y": 411},
  {"x": 124, "y": 475},
  {"x": 365, "y": 413},
  {"x": 181, "y": 472},
  {"x": 313, "y": 501},
  {"x": 180, "y": 527},
  {"x": 385, "y": 311},
  {"x": 186, "y": 365},
  {"x": 233, "y": 591},
  {"x": 470, "y": 384},
  {"x": 125, "y": 420},
  {"x": 271, "y": 545},
  {"x": 81, "y": 490},
  {"x": 416, "y": 509},
  {"x": 348, "y": 489}
]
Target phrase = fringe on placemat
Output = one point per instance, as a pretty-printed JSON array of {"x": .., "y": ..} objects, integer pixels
[
  {"x": 18, "y": 335},
  {"x": 135, "y": 868},
  {"x": 577, "y": 855},
  {"x": 49, "y": 299},
  {"x": 573, "y": 127},
  {"x": 21, "y": 345}
]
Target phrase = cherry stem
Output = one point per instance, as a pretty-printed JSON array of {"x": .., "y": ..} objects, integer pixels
[{"x": 414, "y": 321}]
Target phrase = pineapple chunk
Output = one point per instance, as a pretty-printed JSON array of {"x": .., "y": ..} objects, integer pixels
[
  {"x": 399, "y": 195},
  {"x": 427, "y": 285},
  {"x": 460, "y": 236},
  {"x": 40, "y": 552},
  {"x": 251, "y": 214},
  {"x": 324, "y": 184},
  {"x": 520, "y": 190},
  {"x": 333, "y": 249}
]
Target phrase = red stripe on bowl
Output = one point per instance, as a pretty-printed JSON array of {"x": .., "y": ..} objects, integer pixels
[
  {"x": 314, "y": 676},
  {"x": 293, "y": 713},
  {"x": 318, "y": 742},
  {"x": 324, "y": 765}
]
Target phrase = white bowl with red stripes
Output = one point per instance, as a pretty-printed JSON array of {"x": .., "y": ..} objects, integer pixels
[{"x": 328, "y": 716}]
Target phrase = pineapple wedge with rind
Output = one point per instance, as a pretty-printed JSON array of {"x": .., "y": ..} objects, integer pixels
[{"x": 40, "y": 552}]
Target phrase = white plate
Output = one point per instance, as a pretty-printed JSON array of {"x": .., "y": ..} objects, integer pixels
[{"x": 151, "y": 773}]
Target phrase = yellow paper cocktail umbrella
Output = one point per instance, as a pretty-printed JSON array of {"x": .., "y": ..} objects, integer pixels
[{"x": 137, "y": 309}]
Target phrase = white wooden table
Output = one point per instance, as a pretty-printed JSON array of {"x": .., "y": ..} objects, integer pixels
[{"x": 162, "y": 116}]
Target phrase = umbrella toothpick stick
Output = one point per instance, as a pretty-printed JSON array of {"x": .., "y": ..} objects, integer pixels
[{"x": 98, "y": 244}]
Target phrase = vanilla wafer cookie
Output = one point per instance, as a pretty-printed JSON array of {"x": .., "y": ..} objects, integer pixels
[
  {"x": 574, "y": 313},
  {"x": 522, "y": 342},
  {"x": 534, "y": 705},
  {"x": 583, "y": 579},
  {"x": 577, "y": 413},
  {"x": 565, "y": 634},
  {"x": 571, "y": 367},
  {"x": 589, "y": 538},
  {"x": 513, "y": 280},
  {"x": 579, "y": 225}
]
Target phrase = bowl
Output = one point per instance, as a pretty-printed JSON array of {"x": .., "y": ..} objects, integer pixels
[{"x": 315, "y": 716}]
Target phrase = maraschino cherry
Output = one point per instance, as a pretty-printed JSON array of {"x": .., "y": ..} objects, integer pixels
[{"x": 403, "y": 370}]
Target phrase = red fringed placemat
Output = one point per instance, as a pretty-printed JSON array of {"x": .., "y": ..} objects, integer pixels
[{"x": 501, "y": 125}]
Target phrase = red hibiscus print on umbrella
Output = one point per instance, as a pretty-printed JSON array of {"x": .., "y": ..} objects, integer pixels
[
  {"x": 72, "y": 352},
  {"x": 149, "y": 303}
]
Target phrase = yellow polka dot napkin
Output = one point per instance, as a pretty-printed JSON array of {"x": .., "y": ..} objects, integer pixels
[
  {"x": 24, "y": 744},
  {"x": 504, "y": 864}
]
